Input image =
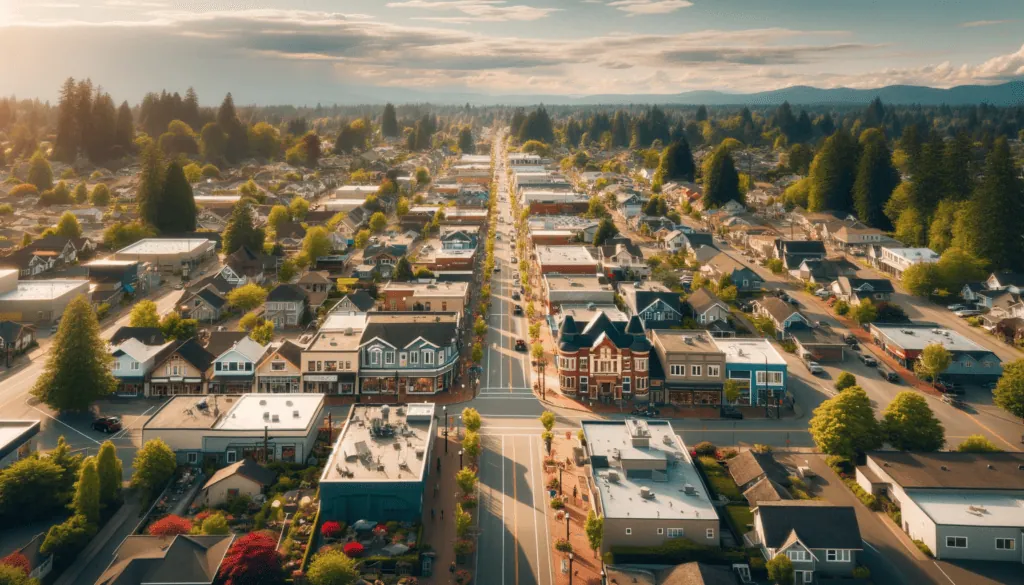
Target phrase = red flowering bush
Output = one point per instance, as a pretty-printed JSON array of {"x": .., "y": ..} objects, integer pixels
[
  {"x": 170, "y": 525},
  {"x": 253, "y": 559},
  {"x": 331, "y": 529},
  {"x": 353, "y": 550},
  {"x": 203, "y": 516},
  {"x": 18, "y": 561}
]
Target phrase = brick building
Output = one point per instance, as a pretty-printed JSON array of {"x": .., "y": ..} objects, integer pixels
[{"x": 605, "y": 361}]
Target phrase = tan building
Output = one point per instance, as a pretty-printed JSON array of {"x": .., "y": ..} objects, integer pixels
[
  {"x": 244, "y": 478},
  {"x": 576, "y": 289},
  {"x": 330, "y": 362},
  {"x": 692, "y": 368},
  {"x": 36, "y": 301},
  {"x": 177, "y": 255},
  {"x": 433, "y": 296},
  {"x": 643, "y": 481},
  {"x": 280, "y": 371},
  {"x": 565, "y": 260},
  {"x": 183, "y": 371}
]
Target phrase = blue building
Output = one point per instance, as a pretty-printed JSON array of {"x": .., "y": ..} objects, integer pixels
[
  {"x": 380, "y": 464},
  {"x": 407, "y": 352},
  {"x": 759, "y": 369}
]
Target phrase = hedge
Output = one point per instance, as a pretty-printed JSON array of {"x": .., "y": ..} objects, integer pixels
[{"x": 675, "y": 552}]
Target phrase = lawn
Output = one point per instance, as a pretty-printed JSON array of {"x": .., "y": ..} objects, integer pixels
[
  {"x": 721, "y": 483},
  {"x": 740, "y": 516}
]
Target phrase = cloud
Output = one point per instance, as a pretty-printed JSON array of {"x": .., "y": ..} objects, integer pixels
[
  {"x": 135, "y": 3},
  {"x": 977, "y": 23},
  {"x": 637, "y": 7},
  {"x": 756, "y": 55},
  {"x": 55, "y": 5},
  {"x": 475, "y": 10}
]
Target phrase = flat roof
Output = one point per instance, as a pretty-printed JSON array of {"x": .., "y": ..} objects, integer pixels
[
  {"x": 749, "y": 351},
  {"x": 621, "y": 494},
  {"x": 154, "y": 246},
  {"x": 645, "y": 285},
  {"x": 560, "y": 282},
  {"x": 952, "y": 470},
  {"x": 548, "y": 195},
  {"x": 111, "y": 262},
  {"x": 43, "y": 290},
  {"x": 341, "y": 321},
  {"x": 559, "y": 255},
  {"x": 971, "y": 508},
  {"x": 336, "y": 339},
  {"x": 14, "y": 433},
  {"x": 429, "y": 289},
  {"x": 679, "y": 340},
  {"x": 237, "y": 412},
  {"x": 383, "y": 443},
  {"x": 918, "y": 336},
  {"x": 586, "y": 313}
]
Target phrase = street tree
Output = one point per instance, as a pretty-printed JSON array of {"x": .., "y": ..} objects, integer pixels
[
  {"x": 605, "y": 230},
  {"x": 78, "y": 366},
  {"x": 247, "y": 297},
  {"x": 277, "y": 217},
  {"x": 594, "y": 529},
  {"x": 466, "y": 480},
  {"x": 977, "y": 444},
  {"x": 378, "y": 221},
  {"x": 910, "y": 425},
  {"x": 403, "y": 270},
  {"x": 934, "y": 360},
  {"x": 845, "y": 380},
  {"x": 731, "y": 391},
  {"x": 547, "y": 419},
  {"x": 471, "y": 418},
  {"x": 845, "y": 424},
  {"x": 144, "y": 314},
  {"x": 154, "y": 466},
  {"x": 480, "y": 326},
  {"x": 110, "y": 471},
  {"x": 471, "y": 444},
  {"x": 1009, "y": 391}
]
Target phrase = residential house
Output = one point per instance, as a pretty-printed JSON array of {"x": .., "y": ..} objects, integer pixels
[
  {"x": 171, "y": 560},
  {"x": 286, "y": 306},
  {"x": 653, "y": 223},
  {"x": 244, "y": 266},
  {"x": 963, "y": 506},
  {"x": 895, "y": 260},
  {"x": 970, "y": 363},
  {"x": 763, "y": 245},
  {"x": 783, "y": 316},
  {"x": 695, "y": 240},
  {"x": 407, "y": 352},
  {"x": 656, "y": 305},
  {"x": 15, "y": 339},
  {"x": 605, "y": 361},
  {"x": 66, "y": 250},
  {"x": 742, "y": 277},
  {"x": 206, "y": 305},
  {"x": 750, "y": 467},
  {"x": 1009, "y": 281},
  {"x": 331, "y": 359},
  {"x": 459, "y": 238},
  {"x": 820, "y": 539},
  {"x": 242, "y": 478},
  {"x": 318, "y": 287},
  {"x": 623, "y": 259},
  {"x": 1001, "y": 305},
  {"x": 629, "y": 202},
  {"x": 794, "y": 252},
  {"x": 673, "y": 241},
  {"x": 854, "y": 290},
  {"x": 706, "y": 308},
  {"x": 182, "y": 371},
  {"x": 280, "y": 371},
  {"x": 133, "y": 363},
  {"x": 384, "y": 258},
  {"x": 687, "y": 369},
  {"x": 29, "y": 262},
  {"x": 757, "y": 367},
  {"x": 356, "y": 302},
  {"x": 824, "y": 271},
  {"x": 234, "y": 366}
]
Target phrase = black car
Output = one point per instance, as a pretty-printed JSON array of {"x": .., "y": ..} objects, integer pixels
[
  {"x": 648, "y": 412},
  {"x": 520, "y": 345},
  {"x": 518, "y": 310},
  {"x": 107, "y": 424},
  {"x": 867, "y": 360},
  {"x": 947, "y": 387},
  {"x": 515, "y": 295},
  {"x": 888, "y": 374},
  {"x": 731, "y": 412}
]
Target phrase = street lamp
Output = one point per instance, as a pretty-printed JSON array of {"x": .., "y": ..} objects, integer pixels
[
  {"x": 444, "y": 409},
  {"x": 460, "y": 459},
  {"x": 566, "y": 526},
  {"x": 570, "y": 563},
  {"x": 560, "y": 482}
]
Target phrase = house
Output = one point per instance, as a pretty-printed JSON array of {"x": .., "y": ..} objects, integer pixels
[
  {"x": 280, "y": 371},
  {"x": 656, "y": 305},
  {"x": 783, "y": 316},
  {"x": 459, "y": 238},
  {"x": 854, "y": 290},
  {"x": 408, "y": 352},
  {"x": 286, "y": 306},
  {"x": 629, "y": 202},
  {"x": 224, "y": 428},
  {"x": 757, "y": 367},
  {"x": 425, "y": 295},
  {"x": 380, "y": 464},
  {"x": 604, "y": 361},
  {"x": 242, "y": 478},
  {"x": 962, "y": 505},
  {"x": 820, "y": 539},
  {"x": 206, "y": 305},
  {"x": 794, "y": 252},
  {"x": 244, "y": 266},
  {"x": 646, "y": 486},
  {"x": 357, "y": 301},
  {"x": 318, "y": 285},
  {"x": 970, "y": 363},
  {"x": 742, "y": 277},
  {"x": 384, "y": 256},
  {"x": 692, "y": 573},
  {"x": 673, "y": 241},
  {"x": 133, "y": 363},
  {"x": 64, "y": 249},
  {"x": 706, "y": 308},
  {"x": 331, "y": 359},
  {"x": 750, "y": 467},
  {"x": 171, "y": 560},
  {"x": 29, "y": 262},
  {"x": 895, "y": 260},
  {"x": 17, "y": 440},
  {"x": 182, "y": 371},
  {"x": 687, "y": 369},
  {"x": 233, "y": 370},
  {"x": 695, "y": 240},
  {"x": 1010, "y": 281},
  {"x": 15, "y": 339},
  {"x": 824, "y": 270},
  {"x": 623, "y": 260},
  {"x": 1001, "y": 304}
]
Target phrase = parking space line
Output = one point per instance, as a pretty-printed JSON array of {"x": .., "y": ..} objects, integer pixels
[
  {"x": 944, "y": 573},
  {"x": 42, "y": 412}
]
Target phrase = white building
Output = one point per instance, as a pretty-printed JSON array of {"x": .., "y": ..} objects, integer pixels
[
  {"x": 16, "y": 440},
  {"x": 170, "y": 254},
  {"x": 895, "y": 261}
]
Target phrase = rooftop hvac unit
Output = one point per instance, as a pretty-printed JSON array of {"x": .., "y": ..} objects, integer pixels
[
  {"x": 667, "y": 439},
  {"x": 646, "y": 493},
  {"x": 689, "y": 490},
  {"x": 287, "y": 402},
  {"x": 613, "y": 476},
  {"x": 420, "y": 453},
  {"x": 615, "y": 453},
  {"x": 275, "y": 418},
  {"x": 295, "y": 414},
  {"x": 263, "y": 402},
  {"x": 266, "y": 415}
]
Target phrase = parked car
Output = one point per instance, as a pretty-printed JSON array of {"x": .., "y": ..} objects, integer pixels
[
  {"x": 888, "y": 374},
  {"x": 497, "y": 268},
  {"x": 514, "y": 261},
  {"x": 954, "y": 400},
  {"x": 815, "y": 368},
  {"x": 967, "y": 312},
  {"x": 947, "y": 387},
  {"x": 731, "y": 412},
  {"x": 957, "y": 307},
  {"x": 648, "y": 412},
  {"x": 515, "y": 295},
  {"x": 107, "y": 424},
  {"x": 867, "y": 360},
  {"x": 851, "y": 338},
  {"x": 823, "y": 293},
  {"x": 520, "y": 345},
  {"x": 517, "y": 310}
]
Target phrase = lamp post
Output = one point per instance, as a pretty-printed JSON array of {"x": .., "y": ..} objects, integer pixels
[
  {"x": 460, "y": 459},
  {"x": 566, "y": 526},
  {"x": 560, "y": 482},
  {"x": 444, "y": 409},
  {"x": 570, "y": 564},
  {"x": 603, "y": 575}
]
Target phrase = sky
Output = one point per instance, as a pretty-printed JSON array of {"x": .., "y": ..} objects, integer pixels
[{"x": 349, "y": 51}]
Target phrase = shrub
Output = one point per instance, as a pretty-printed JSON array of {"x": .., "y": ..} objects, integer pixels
[
  {"x": 845, "y": 380},
  {"x": 468, "y": 502},
  {"x": 838, "y": 464},
  {"x": 210, "y": 171},
  {"x": 215, "y": 525},
  {"x": 463, "y": 546},
  {"x": 67, "y": 539},
  {"x": 18, "y": 561},
  {"x": 705, "y": 448},
  {"x": 553, "y": 483},
  {"x": 557, "y": 503},
  {"x": 867, "y": 499},
  {"x": 23, "y": 189},
  {"x": 923, "y": 548},
  {"x": 788, "y": 345},
  {"x": 169, "y": 526},
  {"x": 331, "y": 529},
  {"x": 757, "y": 566},
  {"x": 353, "y": 549},
  {"x": 841, "y": 307},
  {"x": 563, "y": 545}
]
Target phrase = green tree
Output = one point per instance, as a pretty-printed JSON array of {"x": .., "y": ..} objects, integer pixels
[
  {"x": 123, "y": 234},
  {"x": 471, "y": 418},
  {"x": 594, "y": 529},
  {"x": 605, "y": 231},
  {"x": 68, "y": 227},
  {"x": 922, "y": 279},
  {"x": 721, "y": 181},
  {"x": 471, "y": 444},
  {"x": 154, "y": 466},
  {"x": 87, "y": 492},
  {"x": 422, "y": 176},
  {"x": 910, "y": 425},
  {"x": 477, "y": 353},
  {"x": 466, "y": 144},
  {"x": 362, "y": 239},
  {"x": 31, "y": 488},
  {"x": 110, "y": 471},
  {"x": 780, "y": 570},
  {"x": 547, "y": 419},
  {"x": 875, "y": 181},
  {"x": 845, "y": 380},
  {"x": 940, "y": 231},
  {"x": 797, "y": 194},
  {"x": 78, "y": 366},
  {"x": 264, "y": 141},
  {"x": 317, "y": 243},
  {"x": 480, "y": 326},
  {"x": 298, "y": 208},
  {"x": 241, "y": 230},
  {"x": 215, "y": 525},
  {"x": 177, "y": 209},
  {"x": 463, "y": 521},
  {"x": 64, "y": 541},
  {"x": 263, "y": 333},
  {"x": 864, "y": 312},
  {"x": 39, "y": 172},
  {"x": 845, "y": 424},
  {"x": 1009, "y": 391},
  {"x": 150, "y": 191},
  {"x": 144, "y": 314},
  {"x": 378, "y": 221},
  {"x": 287, "y": 271},
  {"x": 799, "y": 158},
  {"x": 977, "y": 444},
  {"x": 12, "y": 575},
  {"x": 277, "y": 217},
  {"x": 731, "y": 391},
  {"x": 403, "y": 270},
  {"x": 176, "y": 328},
  {"x": 989, "y": 226},
  {"x": 69, "y": 463},
  {"x": 81, "y": 194},
  {"x": 466, "y": 480},
  {"x": 100, "y": 196},
  {"x": 934, "y": 360},
  {"x": 247, "y": 297},
  {"x": 402, "y": 207},
  {"x": 677, "y": 163},
  {"x": 956, "y": 267},
  {"x": 833, "y": 173},
  {"x": 389, "y": 122},
  {"x": 333, "y": 567}
]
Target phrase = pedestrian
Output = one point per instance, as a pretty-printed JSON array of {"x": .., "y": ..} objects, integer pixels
[
  {"x": 439, "y": 465},
  {"x": 574, "y": 491},
  {"x": 451, "y": 568},
  {"x": 437, "y": 488}
]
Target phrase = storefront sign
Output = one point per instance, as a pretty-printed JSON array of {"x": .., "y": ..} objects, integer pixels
[{"x": 321, "y": 378}]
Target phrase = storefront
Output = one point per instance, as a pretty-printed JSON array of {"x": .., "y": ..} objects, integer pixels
[
  {"x": 231, "y": 384},
  {"x": 411, "y": 383},
  {"x": 130, "y": 387},
  {"x": 320, "y": 383},
  {"x": 175, "y": 385},
  {"x": 688, "y": 397},
  {"x": 278, "y": 384}
]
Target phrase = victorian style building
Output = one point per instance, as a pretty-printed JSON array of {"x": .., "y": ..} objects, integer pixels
[{"x": 604, "y": 361}]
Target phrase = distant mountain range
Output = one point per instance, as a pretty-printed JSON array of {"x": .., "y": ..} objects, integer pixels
[{"x": 1006, "y": 94}]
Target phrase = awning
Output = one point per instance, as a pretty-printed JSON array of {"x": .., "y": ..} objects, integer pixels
[
  {"x": 233, "y": 377},
  {"x": 129, "y": 289}
]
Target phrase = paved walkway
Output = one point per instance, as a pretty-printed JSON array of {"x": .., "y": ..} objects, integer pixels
[
  {"x": 439, "y": 500},
  {"x": 94, "y": 560}
]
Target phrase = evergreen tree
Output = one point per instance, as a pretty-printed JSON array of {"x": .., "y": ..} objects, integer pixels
[
  {"x": 927, "y": 173},
  {"x": 605, "y": 230},
  {"x": 124, "y": 132},
  {"x": 241, "y": 230},
  {"x": 190, "y": 109},
  {"x": 87, "y": 492},
  {"x": 721, "y": 181},
  {"x": 537, "y": 126},
  {"x": 466, "y": 144},
  {"x": 389, "y": 123},
  {"x": 311, "y": 148},
  {"x": 875, "y": 114},
  {"x": 151, "y": 185},
  {"x": 81, "y": 193},
  {"x": 989, "y": 226},
  {"x": 876, "y": 180},
  {"x": 110, "y": 471},
  {"x": 236, "y": 147},
  {"x": 677, "y": 162},
  {"x": 958, "y": 168},
  {"x": 39, "y": 172},
  {"x": 65, "y": 145},
  {"x": 213, "y": 142},
  {"x": 403, "y": 270},
  {"x": 178, "y": 212},
  {"x": 68, "y": 226},
  {"x": 620, "y": 129},
  {"x": 103, "y": 130},
  {"x": 833, "y": 174},
  {"x": 78, "y": 369},
  {"x": 702, "y": 114}
]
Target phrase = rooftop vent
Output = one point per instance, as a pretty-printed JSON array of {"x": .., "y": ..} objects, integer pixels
[
  {"x": 266, "y": 415},
  {"x": 645, "y": 493},
  {"x": 295, "y": 414},
  {"x": 615, "y": 453},
  {"x": 667, "y": 439},
  {"x": 287, "y": 402},
  {"x": 263, "y": 402},
  {"x": 943, "y": 468},
  {"x": 613, "y": 476},
  {"x": 275, "y": 418},
  {"x": 385, "y": 411},
  {"x": 689, "y": 490}
]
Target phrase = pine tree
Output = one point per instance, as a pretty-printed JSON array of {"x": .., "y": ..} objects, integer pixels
[
  {"x": 311, "y": 144},
  {"x": 389, "y": 123},
  {"x": 103, "y": 131},
  {"x": 68, "y": 226},
  {"x": 124, "y": 133},
  {"x": 833, "y": 173},
  {"x": 620, "y": 129},
  {"x": 87, "y": 492},
  {"x": 677, "y": 162},
  {"x": 190, "y": 109},
  {"x": 78, "y": 369},
  {"x": 721, "y": 181},
  {"x": 39, "y": 172},
  {"x": 875, "y": 114},
  {"x": 702, "y": 114},
  {"x": 111, "y": 472},
  {"x": 151, "y": 185},
  {"x": 989, "y": 226},
  {"x": 876, "y": 180},
  {"x": 958, "y": 168},
  {"x": 927, "y": 185},
  {"x": 237, "y": 145},
  {"x": 241, "y": 231},
  {"x": 466, "y": 144},
  {"x": 65, "y": 146},
  {"x": 178, "y": 213}
]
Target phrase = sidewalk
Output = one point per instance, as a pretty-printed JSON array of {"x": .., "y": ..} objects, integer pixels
[
  {"x": 440, "y": 534},
  {"x": 586, "y": 566},
  {"x": 456, "y": 395}
]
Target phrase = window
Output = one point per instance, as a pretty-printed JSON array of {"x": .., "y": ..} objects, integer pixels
[
  {"x": 808, "y": 576},
  {"x": 1006, "y": 543},
  {"x": 232, "y": 366},
  {"x": 567, "y": 363},
  {"x": 641, "y": 363},
  {"x": 629, "y": 531},
  {"x": 675, "y": 533},
  {"x": 661, "y": 531},
  {"x": 696, "y": 370},
  {"x": 444, "y": 305},
  {"x": 402, "y": 358},
  {"x": 709, "y": 533},
  {"x": 135, "y": 366},
  {"x": 774, "y": 378},
  {"x": 584, "y": 383},
  {"x": 319, "y": 366},
  {"x": 956, "y": 542},
  {"x": 375, "y": 357},
  {"x": 218, "y": 366},
  {"x": 414, "y": 358},
  {"x": 389, "y": 358},
  {"x": 626, "y": 385},
  {"x": 277, "y": 366},
  {"x": 193, "y": 458},
  {"x": 311, "y": 366},
  {"x": 837, "y": 556},
  {"x": 440, "y": 356},
  {"x": 330, "y": 366},
  {"x": 428, "y": 357},
  {"x": 428, "y": 305},
  {"x": 248, "y": 366},
  {"x": 625, "y": 363},
  {"x": 583, "y": 363},
  {"x": 798, "y": 555},
  {"x": 677, "y": 370},
  {"x": 641, "y": 383},
  {"x": 568, "y": 382},
  {"x": 714, "y": 371}
]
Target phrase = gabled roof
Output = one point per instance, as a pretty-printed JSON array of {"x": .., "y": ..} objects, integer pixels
[
  {"x": 218, "y": 282},
  {"x": 702, "y": 300},
  {"x": 748, "y": 466},
  {"x": 631, "y": 336},
  {"x": 246, "y": 468},
  {"x": 245, "y": 347},
  {"x": 290, "y": 351},
  {"x": 139, "y": 351},
  {"x": 361, "y": 299},
  {"x": 766, "y": 490},
  {"x": 192, "y": 352},
  {"x": 1008, "y": 278},
  {"x": 698, "y": 239},
  {"x": 167, "y": 559},
  {"x": 817, "y": 524},
  {"x": 779, "y": 309},
  {"x": 10, "y": 331},
  {"x": 646, "y": 298},
  {"x": 221, "y": 341},
  {"x": 287, "y": 293},
  {"x": 802, "y": 247},
  {"x": 402, "y": 332},
  {"x": 314, "y": 277},
  {"x": 694, "y": 573},
  {"x": 874, "y": 285},
  {"x": 212, "y": 297}
]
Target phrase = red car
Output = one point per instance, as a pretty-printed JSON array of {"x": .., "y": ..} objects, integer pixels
[{"x": 107, "y": 424}]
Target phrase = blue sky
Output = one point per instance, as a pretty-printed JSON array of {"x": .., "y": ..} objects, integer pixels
[{"x": 304, "y": 51}]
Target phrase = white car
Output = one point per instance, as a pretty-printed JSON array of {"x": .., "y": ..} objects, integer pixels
[{"x": 967, "y": 313}]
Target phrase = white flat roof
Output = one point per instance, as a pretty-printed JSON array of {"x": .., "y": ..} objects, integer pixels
[
  {"x": 971, "y": 508},
  {"x": 560, "y": 255},
  {"x": 341, "y": 320},
  {"x": 749, "y": 351},
  {"x": 165, "y": 246},
  {"x": 294, "y": 412},
  {"x": 43, "y": 290},
  {"x": 13, "y": 430}
]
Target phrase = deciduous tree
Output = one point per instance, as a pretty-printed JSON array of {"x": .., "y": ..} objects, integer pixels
[
  {"x": 247, "y": 297},
  {"x": 333, "y": 567},
  {"x": 977, "y": 444},
  {"x": 144, "y": 314},
  {"x": 154, "y": 466},
  {"x": 39, "y": 172},
  {"x": 68, "y": 227},
  {"x": 845, "y": 424},
  {"x": 910, "y": 425},
  {"x": 1009, "y": 391},
  {"x": 253, "y": 560},
  {"x": 934, "y": 360}
]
